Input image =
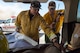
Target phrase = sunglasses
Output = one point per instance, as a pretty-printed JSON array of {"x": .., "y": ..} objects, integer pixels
[
  {"x": 36, "y": 9},
  {"x": 52, "y": 8}
]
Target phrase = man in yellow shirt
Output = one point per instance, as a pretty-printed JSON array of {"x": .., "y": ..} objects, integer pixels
[
  {"x": 54, "y": 18},
  {"x": 28, "y": 23}
]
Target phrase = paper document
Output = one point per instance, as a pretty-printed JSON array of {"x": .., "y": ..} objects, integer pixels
[{"x": 28, "y": 39}]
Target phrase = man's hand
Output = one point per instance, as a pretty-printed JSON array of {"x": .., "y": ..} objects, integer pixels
[
  {"x": 17, "y": 29},
  {"x": 55, "y": 42},
  {"x": 69, "y": 47},
  {"x": 52, "y": 26},
  {"x": 59, "y": 46}
]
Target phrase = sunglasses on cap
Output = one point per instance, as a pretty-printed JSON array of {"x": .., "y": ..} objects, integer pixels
[{"x": 51, "y": 7}]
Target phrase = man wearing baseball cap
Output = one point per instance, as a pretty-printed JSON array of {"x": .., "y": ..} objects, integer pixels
[
  {"x": 29, "y": 21},
  {"x": 36, "y": 4},
  {"x": 51, "y": 18}
]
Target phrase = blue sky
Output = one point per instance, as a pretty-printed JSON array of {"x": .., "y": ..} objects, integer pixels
[
  {"x": 78, "y": 12},
  {"x": 13, "y": 9}
]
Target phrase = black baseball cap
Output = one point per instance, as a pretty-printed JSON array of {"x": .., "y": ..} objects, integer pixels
[{"x": 36, "y": 4}]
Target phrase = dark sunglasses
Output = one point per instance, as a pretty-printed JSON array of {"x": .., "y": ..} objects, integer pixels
[
  {"x": 51, "y": 8},
  {"x": 36, "y": 9}
]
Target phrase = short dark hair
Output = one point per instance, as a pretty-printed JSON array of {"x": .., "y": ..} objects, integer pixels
[{"x": 36, "y": 4}]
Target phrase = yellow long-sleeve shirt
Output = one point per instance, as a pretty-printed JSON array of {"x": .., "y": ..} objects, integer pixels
[
  {"x": 30, "y": 27},
  {"x": 47, "y": 17}
]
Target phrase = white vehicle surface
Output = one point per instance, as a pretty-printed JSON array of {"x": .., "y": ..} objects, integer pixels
[{"x": 8, "y": 25}]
